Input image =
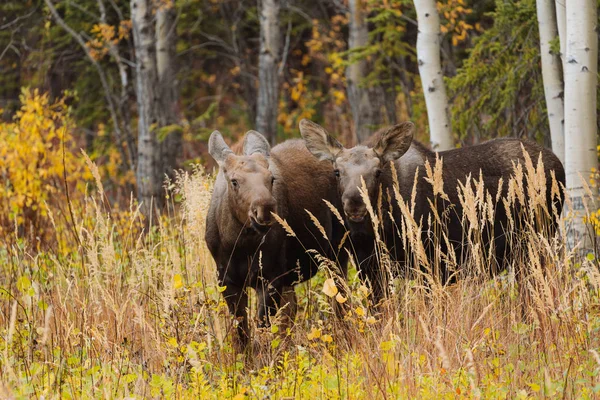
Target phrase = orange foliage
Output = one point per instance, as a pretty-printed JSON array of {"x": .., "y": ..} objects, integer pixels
[
  {"x": 452, "y": 13},
  {"x": 105, "y": 36}
]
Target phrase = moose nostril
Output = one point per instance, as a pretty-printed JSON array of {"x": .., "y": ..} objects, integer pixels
[
  {"x": 352, "y": 202},
  {"x": 253, "y": 213}
]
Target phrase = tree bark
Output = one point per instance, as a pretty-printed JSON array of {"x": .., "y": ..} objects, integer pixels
[
  {"x": 268, "y": 77},
  {"x": 149, "y": 168},
  {"x": 432, "y": 79},
  {"x": 553, "y": 87},
  {"x": 365, "y": 102},
  {"x": 561, "y": 24},
  {"x": 580, "y": 109},
  {"x": 166, "y": 40}
]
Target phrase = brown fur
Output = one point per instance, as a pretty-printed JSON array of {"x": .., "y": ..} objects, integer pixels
[{"x": 236, "y": 240}]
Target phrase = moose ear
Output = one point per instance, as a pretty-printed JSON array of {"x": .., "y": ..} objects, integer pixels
[
  {"x": 318, "y": 141},
  {"x": 395, "y": 141},
  {"x": 217, "y": 148},
  {"x": 255, "y": 142}
]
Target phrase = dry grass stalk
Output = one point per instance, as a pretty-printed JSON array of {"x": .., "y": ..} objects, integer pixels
[
  {"x": 288, "y": 229},
  {"x": 148, "y": 304},
  {"x": 317, "y": 224}
]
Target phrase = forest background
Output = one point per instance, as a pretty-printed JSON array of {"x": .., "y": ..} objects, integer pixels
[
  {"x": 100, "y": 300},
  {"x": 490, "y": 58}
]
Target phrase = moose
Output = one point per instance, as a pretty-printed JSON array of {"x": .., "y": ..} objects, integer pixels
[
  {"x": 370, "y": 163},
  {"x": 250, "y": 248}
]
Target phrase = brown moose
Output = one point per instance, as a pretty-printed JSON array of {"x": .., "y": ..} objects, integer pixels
[
  {"x": 371, "y": 162},
  {"x": 250, "y": 249}
]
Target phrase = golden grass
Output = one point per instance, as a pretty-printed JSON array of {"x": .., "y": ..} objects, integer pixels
[{"x": 138, "y": 313}]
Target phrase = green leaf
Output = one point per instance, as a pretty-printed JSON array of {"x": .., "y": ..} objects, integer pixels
[
  {"x": 520, "y": 328},
  {"x": 535, "y": 387},
  {"x": 128, "y": 378},
  {"x": 23, "y": 284}
]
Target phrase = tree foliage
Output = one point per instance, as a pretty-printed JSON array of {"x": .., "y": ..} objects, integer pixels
[
  {"x": 490, "y": 56},
  {"x": 38, "y": 162},
  {"x": 498, "y": 91}
]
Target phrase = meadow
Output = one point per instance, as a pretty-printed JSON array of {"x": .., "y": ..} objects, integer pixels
[{"x": 98, "y": 302}]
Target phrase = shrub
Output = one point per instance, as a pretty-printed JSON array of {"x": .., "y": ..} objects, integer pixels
[{"x": 37, "y": 164}]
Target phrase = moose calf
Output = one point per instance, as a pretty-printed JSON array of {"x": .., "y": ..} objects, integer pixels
[
  {"x": 371, "y": 162},
  {"x": 250, "y": 249}
]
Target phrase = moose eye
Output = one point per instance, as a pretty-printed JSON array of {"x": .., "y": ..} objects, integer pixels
[
  {"x": 272, "y": 181},
  {"x": 377, "y": 173},
  {"x": 234, "y": 183},
  {"x": 336, "y": 172}
]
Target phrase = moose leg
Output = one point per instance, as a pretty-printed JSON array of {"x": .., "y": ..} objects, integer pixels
[
  {"x": 269, "y": 298},
  {"x": 369, "y": 270},
  {"x": 237, "y": 301},
  {"x": 290, "y": 302},
  {"x": 378, "y": 280}
]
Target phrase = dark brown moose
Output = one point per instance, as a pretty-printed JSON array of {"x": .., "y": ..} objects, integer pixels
[
  {"x": 250, "y": 248},
  {"x": 371, "y": 162}
]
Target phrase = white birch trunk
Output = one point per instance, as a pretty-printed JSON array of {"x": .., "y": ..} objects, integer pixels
[
  {"x": 580, "y": 108},
  {"x": 561, "y": 23},
  {"x": 268, "y": 77},
  {"x": 553, "y": 88},
  {"x": 365, "y": 102},
  {"x": 432, "y": 79}
]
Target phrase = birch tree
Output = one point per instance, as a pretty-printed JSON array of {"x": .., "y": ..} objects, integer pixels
[
  {"x": 156, "y": 99},
  {"x": 580, "y": 107},
  {"x": 432, "y": 79},
  {"x": 365, "y": 102},
  {"x": 268, "y": 77},
  {"x": 553, "y": 87},
  {"x": 561, "y": 23}
]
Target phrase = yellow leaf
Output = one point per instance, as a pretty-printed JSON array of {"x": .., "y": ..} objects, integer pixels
[
  {"x": 340, "y": 299},
  {"x": 386, "y": 346},
  {"x": 177, "y": 281},
  {"x": 360, "y": 311},
  {"x": 327, "y": 338},
  {"x": 535, "y": 387},
  {"x": 242, "y": 394},
  {"x": 329, "y": 288},
  {"x": 314, "y": 333},
  {"x": 363, "y": 290}
]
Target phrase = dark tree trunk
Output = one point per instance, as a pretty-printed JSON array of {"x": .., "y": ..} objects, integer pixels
[
  {"x": 268, "y": 76},
  {"x": 159, "y": 142},
  {"x": 166, "y": 41},
  {"x": 365, "y": 102}
]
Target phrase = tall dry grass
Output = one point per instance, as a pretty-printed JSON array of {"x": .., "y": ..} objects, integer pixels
[{"x": 117, "y": 309}]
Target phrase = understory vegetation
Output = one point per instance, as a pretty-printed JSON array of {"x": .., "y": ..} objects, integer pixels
[{"x": 96, "y": 302}]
